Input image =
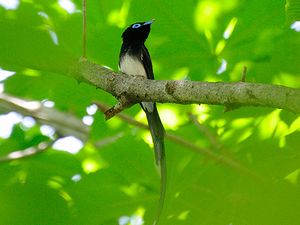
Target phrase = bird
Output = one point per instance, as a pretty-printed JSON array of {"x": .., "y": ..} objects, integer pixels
[{"x": 134, "y": 59}]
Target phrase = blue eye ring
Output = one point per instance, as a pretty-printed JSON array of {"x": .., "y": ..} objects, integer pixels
[{"x": 137, "y": 25}]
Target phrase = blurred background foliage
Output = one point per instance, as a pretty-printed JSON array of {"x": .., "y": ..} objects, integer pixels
[{"x": 110, "y": 177}]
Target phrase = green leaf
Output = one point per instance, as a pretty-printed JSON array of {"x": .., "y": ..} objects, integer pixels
[{"x": 114, "y": 175}]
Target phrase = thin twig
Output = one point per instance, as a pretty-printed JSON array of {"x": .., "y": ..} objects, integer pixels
[
  {"x": 244, "y": 73},
  {"x": 84, "y": 28},
  {"x": 210, "y": 136},
  {"x": 108, "y": 140},
  {"x": 122, "y": 104},
  {"x": 103, "y": 108}
]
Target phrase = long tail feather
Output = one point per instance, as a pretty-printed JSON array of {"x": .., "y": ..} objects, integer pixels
[{"x": 158, "y": 132}]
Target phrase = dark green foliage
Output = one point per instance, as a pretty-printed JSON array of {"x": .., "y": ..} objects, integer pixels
[{"x": 118, "y": 177}]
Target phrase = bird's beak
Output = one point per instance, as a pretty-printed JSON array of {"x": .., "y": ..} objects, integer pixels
[{"x": 149, "y": 22}]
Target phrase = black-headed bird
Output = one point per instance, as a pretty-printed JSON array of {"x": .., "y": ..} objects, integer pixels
[{"x": 135, "y": 60}]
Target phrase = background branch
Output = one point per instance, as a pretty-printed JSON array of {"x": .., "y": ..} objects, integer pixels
[
  {"x": 65, "y": 124},
  {"x": 30, "y": 151},
  {"x": 215, "y": 156},
  {"x": 84, "y": 28}
]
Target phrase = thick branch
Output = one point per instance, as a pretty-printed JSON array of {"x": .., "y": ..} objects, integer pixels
[{"x": 137, "y": 89}]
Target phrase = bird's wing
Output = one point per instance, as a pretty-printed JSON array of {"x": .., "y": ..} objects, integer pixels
[{"x": 146, "y": 60}]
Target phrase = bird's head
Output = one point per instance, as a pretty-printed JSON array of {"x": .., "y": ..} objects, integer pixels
[{"x": 137, "y": 32}]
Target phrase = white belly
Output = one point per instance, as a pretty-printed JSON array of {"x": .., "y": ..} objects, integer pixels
[{"x": 132, "y": 66}]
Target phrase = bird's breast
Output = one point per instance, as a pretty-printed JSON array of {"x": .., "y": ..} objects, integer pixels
[{"x": 132, "y": 66}]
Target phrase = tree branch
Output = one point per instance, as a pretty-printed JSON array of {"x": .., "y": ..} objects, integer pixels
[
  {"x": 30, "y": 151},
  {"x": 65, "y": 124},
  {"x": 137, "y": 89}
]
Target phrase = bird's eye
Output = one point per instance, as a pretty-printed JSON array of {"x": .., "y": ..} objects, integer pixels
[{"x": 137, "y": 25}]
